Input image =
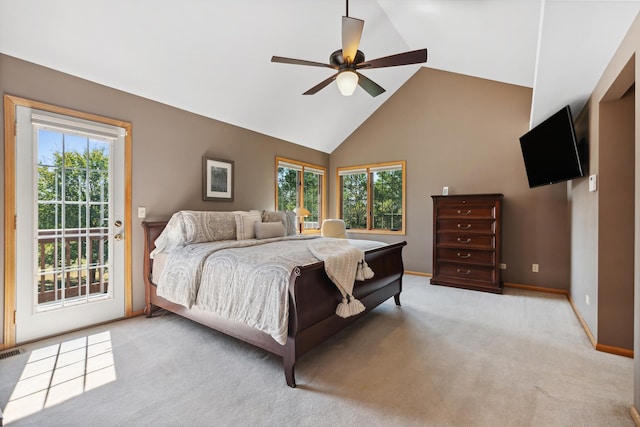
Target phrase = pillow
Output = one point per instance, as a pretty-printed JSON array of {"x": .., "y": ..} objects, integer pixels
[
  {"x": 208, "y": 226},
  {"x": 267, "y": 230},
  {"x": 171, "y": 237},
  {"x": 288, "y": 220},
  {"x": 274, "y": 216},
  {"x": 290, "y": 225},
  {"x": 186, "y": 227},
  {"x": 245, "y": 224}
]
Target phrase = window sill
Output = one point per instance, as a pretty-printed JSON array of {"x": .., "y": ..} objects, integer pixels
[{"x": 361, "y": 231}]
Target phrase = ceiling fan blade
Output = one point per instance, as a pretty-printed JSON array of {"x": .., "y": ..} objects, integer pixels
[
  {"x": 406, "y": 58},
  {"x": 372, "y": 88},
  {"x": 320, "y": 85},
  {"x": 351, "y": 33},
  {"x": 300, "y": 62}
]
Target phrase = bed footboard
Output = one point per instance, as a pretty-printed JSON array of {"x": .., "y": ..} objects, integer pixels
[{"x": 313, "y": 299}]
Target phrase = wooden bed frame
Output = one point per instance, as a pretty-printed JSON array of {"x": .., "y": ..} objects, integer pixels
[{"x": 312, "y": 302}]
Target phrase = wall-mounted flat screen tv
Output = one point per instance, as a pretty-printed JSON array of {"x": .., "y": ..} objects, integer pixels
[{"x": 550, "y": 150}]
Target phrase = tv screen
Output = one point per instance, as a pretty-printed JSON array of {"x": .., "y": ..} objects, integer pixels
[{"x": 550, "y": 150}]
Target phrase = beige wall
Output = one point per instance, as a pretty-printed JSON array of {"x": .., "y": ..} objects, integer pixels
[
  {"x": 603, "y": 233},
  {"x": 616, "y": 223},
  {"x": 463, "y": 132},
  {"x": 614, "y": 123},
  {"x": 168, "y": 145}
]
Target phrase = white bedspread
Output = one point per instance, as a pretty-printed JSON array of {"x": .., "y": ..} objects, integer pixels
[{"x": 245, "y": 281}]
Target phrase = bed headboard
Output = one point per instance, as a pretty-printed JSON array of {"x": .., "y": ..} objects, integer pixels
[{"x": 151, "y": 232}]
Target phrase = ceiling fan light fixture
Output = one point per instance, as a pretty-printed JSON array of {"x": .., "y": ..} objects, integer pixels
[{"x": 347, "y": 81}]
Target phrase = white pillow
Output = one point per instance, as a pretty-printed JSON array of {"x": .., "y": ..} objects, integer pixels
[
  {"x": 171, "y": 237},
  {"x": 245, "y": 222},
  {"x": 267, "y": 230}
]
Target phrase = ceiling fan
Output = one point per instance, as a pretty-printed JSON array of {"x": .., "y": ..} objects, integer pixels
[{"x": 348, "y": 60}]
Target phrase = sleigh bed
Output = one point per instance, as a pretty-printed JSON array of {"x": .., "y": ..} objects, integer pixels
[{"x": 312, "y": 298}]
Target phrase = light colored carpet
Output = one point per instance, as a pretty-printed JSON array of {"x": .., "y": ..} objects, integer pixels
[{"x": 447, "y": 357}]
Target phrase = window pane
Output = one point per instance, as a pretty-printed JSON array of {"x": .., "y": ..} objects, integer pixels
[
  {"x": 98, "y": 215},
  {"x": 354, "y": 200},
  {"x": 49, "y": 216},
  {"x": 49, "y": 147},
  {"x": 98, "y": 155},
  {"x": 49, "y": 183},
  {"x": 312, "y": 199},
  {"x": 98, "y": 186},
  {"x": 287, "y": 189},
  {"x": 75, "y": 150},
  {"x": 387, "y": 200},
  {"x": 75, "y": 217},
  {"x": 75, "y": 184}
]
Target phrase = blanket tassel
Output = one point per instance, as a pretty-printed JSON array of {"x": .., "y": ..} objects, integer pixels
[
  {"x": 343, "y": 309},
  {"x": 355, "y": 306},
  {"x": 363, "y": 271}
]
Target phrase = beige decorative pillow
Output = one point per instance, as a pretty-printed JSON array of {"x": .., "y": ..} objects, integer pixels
[
  {"x": 267, "y": 230},
  {"x": 287, "y": 218},
  {"x": 208, "y": 226},
  {"x": 273, "y": 216},
  {"x": 245, "y": 222}
]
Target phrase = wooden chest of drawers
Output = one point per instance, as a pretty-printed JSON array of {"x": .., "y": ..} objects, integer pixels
[{"x": 466, "y": 241}]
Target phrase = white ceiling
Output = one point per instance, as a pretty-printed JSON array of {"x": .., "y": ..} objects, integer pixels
[{"x": 212, "y": 57}]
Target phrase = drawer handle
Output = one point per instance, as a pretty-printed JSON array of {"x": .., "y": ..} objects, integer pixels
[
  {"x": 464, "y": 227},
  {"x": 467, "y": 272},
  {"x": 464, "y": 256},
  {"x": 467, "y": 240},
  {"x": 464, "y": 213}
]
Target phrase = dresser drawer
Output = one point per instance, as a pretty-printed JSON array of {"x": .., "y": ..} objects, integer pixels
[
  {"x": 465, "y": 272},
  {"x": 472, "y": 256},
  {"x": 467, "y": 211},
  {"x": 466, "y": 225},
  {"x": 465, "y": 240}
]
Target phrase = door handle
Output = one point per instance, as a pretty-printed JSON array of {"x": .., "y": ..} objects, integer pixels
[{"x": 118, "y": 237}]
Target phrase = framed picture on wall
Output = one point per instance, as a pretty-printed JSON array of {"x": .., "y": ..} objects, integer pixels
[{"x": 217, "y": 179}]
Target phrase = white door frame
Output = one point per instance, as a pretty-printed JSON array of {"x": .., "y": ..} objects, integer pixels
[{"x": 10, "y": 104}]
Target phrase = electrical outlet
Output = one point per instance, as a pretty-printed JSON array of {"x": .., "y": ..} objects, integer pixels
[
  {"x": 142, "y": 212},
  {"x": 535, "y": 268},
  {"x": 586, "y": 299},
  {"x": 503, "y": 266}
]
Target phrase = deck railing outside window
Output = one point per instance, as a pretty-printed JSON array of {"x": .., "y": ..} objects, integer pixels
[{"x": 73, "y": 265}]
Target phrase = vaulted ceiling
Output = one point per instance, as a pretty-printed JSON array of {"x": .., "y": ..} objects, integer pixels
[{"x": 212, "y": 57}]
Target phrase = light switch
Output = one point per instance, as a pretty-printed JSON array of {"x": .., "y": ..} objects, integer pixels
[
  {"x": 445, "y": 191},
  {"x": 593, "y": 183},
  {"x": 142, "y": 212}
]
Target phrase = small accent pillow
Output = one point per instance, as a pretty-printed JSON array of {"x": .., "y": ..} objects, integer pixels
[
  {"x": 287, "y": 218},
  {"x": 245, "y": 224},
  {"x": 267, "y": 230}
]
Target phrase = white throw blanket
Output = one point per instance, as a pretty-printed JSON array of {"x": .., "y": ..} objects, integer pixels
[{"x": 343, "y": 263}]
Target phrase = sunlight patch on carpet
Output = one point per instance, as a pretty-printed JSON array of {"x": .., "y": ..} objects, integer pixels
[{"x": 59, "y": 372}]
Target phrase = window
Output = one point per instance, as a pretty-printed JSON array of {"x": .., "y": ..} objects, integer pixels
[
  {"x": 372, "y": 197},
  {"x": 301, "y": 185}
]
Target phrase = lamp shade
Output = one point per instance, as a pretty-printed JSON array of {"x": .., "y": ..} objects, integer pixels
[
  {"x": 347, "y": 81},
  {"x": 301, "y": 212}
]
